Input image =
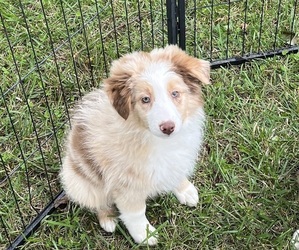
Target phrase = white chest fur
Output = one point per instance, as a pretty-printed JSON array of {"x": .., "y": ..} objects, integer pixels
[{"x": 171, "y": 159}]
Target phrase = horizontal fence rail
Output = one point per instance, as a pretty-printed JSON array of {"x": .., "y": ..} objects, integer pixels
[{"x": 52, "y": 54}]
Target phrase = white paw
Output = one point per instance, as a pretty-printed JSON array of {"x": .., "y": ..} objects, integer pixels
[
  {"x": 295, "y": 240},
  {"x": 139, "y": 227},
  {"x": 187, "y": 196},
  {"x": 142, "y": 235},
  {"x": 108, "y": 224}
]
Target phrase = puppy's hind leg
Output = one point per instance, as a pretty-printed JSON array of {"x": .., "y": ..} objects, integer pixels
[
  {"x": 107, "y": 218},
  {"x": 88, "y": 194}
]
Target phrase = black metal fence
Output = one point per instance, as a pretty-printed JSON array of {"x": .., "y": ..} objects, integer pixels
[{"x": 54, "y": 51}]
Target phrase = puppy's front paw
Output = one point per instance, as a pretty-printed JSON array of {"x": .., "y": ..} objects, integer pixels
[
  {"x": 139, "y": 227},
  {"x": 144, "y": 235},
  {"x": 187, "y": 195}
]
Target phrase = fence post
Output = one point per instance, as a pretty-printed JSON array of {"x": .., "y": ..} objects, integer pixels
[
  {"x": 181, "y": 24},
  {"x": 176, "y": 22},
  {"x": 171, "y": 21}
]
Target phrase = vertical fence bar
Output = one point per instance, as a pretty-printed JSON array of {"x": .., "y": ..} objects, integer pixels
[
  {"x": 244, "y": 28},
  {"x": 181, "y": 24},
  {"x": 101, "y": 36},
  {"x": 152, "y": 23},
  {"x": 211, "y": 30},
  {"x": 228, "y": 28},
  {"x": 176, "y": 26},
  {"x": 195, "y": 28},
  {"x": 86, "y": 44},
  {"x": 128, "y": 26},
  {"x": 292, "y": 31},
  {"x": 140, "y": 24},
  {"x": 277, "y": 25},
  {"x": 162, "y": 23},
  {"x": 71, "y": 48},
  {"x": 12, "y": 189},
  {"x": 114, "y": 28},
  {"x": 261, "y": 26},
  {"x": 171, "y": 21},
  {"x": 5, "y": 230}
]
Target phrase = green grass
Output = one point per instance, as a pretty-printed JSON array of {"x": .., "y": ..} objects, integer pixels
[{"x": 246, "y": 175}]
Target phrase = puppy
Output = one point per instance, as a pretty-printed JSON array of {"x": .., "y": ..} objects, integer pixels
[
  {"x": 295, "y": 240},
  {"x": 136, "y": 137}
]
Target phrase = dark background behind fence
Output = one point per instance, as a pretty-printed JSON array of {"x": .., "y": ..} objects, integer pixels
[{"x": 44, "y": 71}]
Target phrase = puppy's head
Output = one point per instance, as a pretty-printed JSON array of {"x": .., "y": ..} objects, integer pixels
[{"x": 161, "y": 89}]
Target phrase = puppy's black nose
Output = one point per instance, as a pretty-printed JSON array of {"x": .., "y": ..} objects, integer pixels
[{"x": 167, "y": 127}]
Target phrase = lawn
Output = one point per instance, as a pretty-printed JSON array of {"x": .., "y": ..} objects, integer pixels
[{"x": 246, "y": 174}]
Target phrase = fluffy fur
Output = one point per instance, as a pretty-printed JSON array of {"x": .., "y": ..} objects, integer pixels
[{"x": 137, "y": 137}]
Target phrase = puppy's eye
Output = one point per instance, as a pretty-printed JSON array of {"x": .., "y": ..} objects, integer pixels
[
  {"x": 146, "y": 99},
  {"x": 175, "y": 94}
]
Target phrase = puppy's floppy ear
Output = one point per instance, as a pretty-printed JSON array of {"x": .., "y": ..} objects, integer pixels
[
  {"x": 119, "y": 85},
  {"x": 192, "y": 70},
  {"x": 118, "y": 90}
]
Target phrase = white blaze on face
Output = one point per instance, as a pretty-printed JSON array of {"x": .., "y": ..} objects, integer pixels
[{"x": 163, "y": 117}]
